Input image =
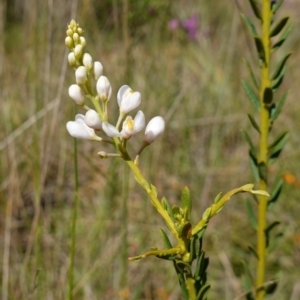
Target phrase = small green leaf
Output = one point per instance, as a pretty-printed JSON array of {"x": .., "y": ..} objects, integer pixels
[
  {"x": 218, "y": 197},
  {"x": 275, "y": 192},
  {"x": 251, "y": 214},
  {"x": 279, "y": 26},
  {"x": 206, "y": 214},
  {"x": 263, "y": 171},
  {"x": 282, "y": 38},
  {"x": 153, "y": 189},
  {"x": 268, "y": 230},
  {"x": 278, "y": 144},
  {"x": 251, "y": 73},
  {"x": 280, "y": 66},
  {"x": 186, "y": 202},
  {"x": 260, "y": 48},
  {"x": 250, "y": 25},
  {"x": 248, "y": 274},
  {"x": 249, "y": 141},
  {"x": 254, "y": 167},
  {"x": 270, "y": 287},
  {"x": 268, "y": 95},
  {"x": 276, "y": 83},
  {"x": 253, "y": 122},
  {"x": 203, "y": 292},
  {"x": 251, "y": 95},
  {"x": 255, "y": 9},
  {"x": 275, "y": 113},
  {"x": 253, "y": 251},
  {"x": 165, "y": 239},
  {"x": 167, "y": 207},
  {"x": 277, "y": 5}
]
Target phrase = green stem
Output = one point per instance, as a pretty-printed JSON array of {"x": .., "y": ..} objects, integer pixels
[
  {"x": 263, "y": 149},
  {"x": 73, "y": 226}
]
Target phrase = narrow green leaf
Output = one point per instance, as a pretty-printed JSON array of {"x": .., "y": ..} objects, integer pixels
[
  {"x": 251, "y": 95},
  {"x": 280, "y": 66},
  {"x": 275, "y": 113},
  {"x": 263, "y": 171},
  {"x": 277, "y": 5},
  {"x": 165, "y": 239},
  {"x": 253, "y": 122},
  {"x": 218, "y": 197},
  {"x": 253, "y": 251},
  {"x": 275, "y": 241},
  {"x": 251, "y": 73},
  {"x": 248, "y": 274},
  {"x": 255, "y": 9},
  {"x": 279, "y": 143},
  {"x": 279, "y": 26},
  {"x": 260, "y": 48},
  {"x": 254, "y": 167},
  {"x": 268, "y": 95},
  {"x": 249, "y": 25},
  {"x": 167, "y": 207},
  {"x": 154, "y": 190},
  {"x": 275, "y": 191},
  {"x": 251, "y": 214},
  {"x": 203, "y": 292},
  {"x": 276, "y": 83},
  {"x": 282, "y": 38},
  {"x": 268, "y": 230},
  {"x": 249, "y": 141},
  {"x": 186, "y": 201}
]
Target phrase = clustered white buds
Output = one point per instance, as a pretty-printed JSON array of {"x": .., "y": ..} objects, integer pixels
[{"x": 84, "y": 126}]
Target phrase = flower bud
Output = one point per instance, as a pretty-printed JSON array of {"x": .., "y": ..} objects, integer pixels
[
  {"x": 72, "y": 60},
  {"x": 69, "y": 32},
  {"x": 128, "y": 100},
  {"x": 104, "y": 88},
  {"x": 69, "y": 42},
  {"x": 79, "y": 30},
  {"x": 155, "y": 127},
  {"x": 131, "y": 127},
  {"x": 92, "y": 119},
  {"x": 82, "y": 41},
  {"x": 80, "y": 130},
  {"x": 76, "y": 93},
  {"x": 78, "y": 51},
  {"x": 87, "y": 61},
  {"x": 98, "y": 69},
  {"x": 76, "y": 38},
  {"x": 80, "y": 75}
]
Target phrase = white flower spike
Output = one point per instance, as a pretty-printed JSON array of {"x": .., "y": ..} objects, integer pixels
[
  {"x": 155, "y": 127},
  {"x": 92, "y": 119},
  {"x": 128, "y": 100},
  {"x": 78, "y": 129},
  {"x": 104, "y": 88},
  {"x": 76, "y": 93}
]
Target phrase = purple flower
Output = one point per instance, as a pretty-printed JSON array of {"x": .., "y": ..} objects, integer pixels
[
  {"x": 190, "y": 25},
  {"x": 174, "y": 24}
]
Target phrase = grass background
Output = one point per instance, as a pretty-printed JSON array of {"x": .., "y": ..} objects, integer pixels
[{"x": 196, "y": 86}]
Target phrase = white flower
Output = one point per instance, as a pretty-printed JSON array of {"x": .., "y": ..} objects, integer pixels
[
  {"x": 78, "y": 129},
  {"x": 92, "y": 119},
  {"x": 98, "y": 69},
  {"x": 87, "y": 61},
  {"x": 155, "y": 127},
  {"x": 104, "y": 88},
  {"x": 110, "y": 130},
  {"x": 80, "y": 75},
  {"x": 76, "y": 93},
  {"x": 131, "y": 127},
  {"x": 128, "y": 100}
]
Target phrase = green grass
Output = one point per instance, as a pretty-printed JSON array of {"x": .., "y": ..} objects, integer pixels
[{"x": 197, "y": 86}]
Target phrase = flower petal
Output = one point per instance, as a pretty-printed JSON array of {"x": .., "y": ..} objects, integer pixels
[
  {"x": 155, "y": 127},
  {"x": 139, "y": 121},
  {"x": 92, "y": 119},
  {"x": 121, "y": 92},
  {"x": 110, "y": 130}
]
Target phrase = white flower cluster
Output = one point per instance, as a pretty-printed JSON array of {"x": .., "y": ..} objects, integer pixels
[{"x": 86, "y": 71}]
